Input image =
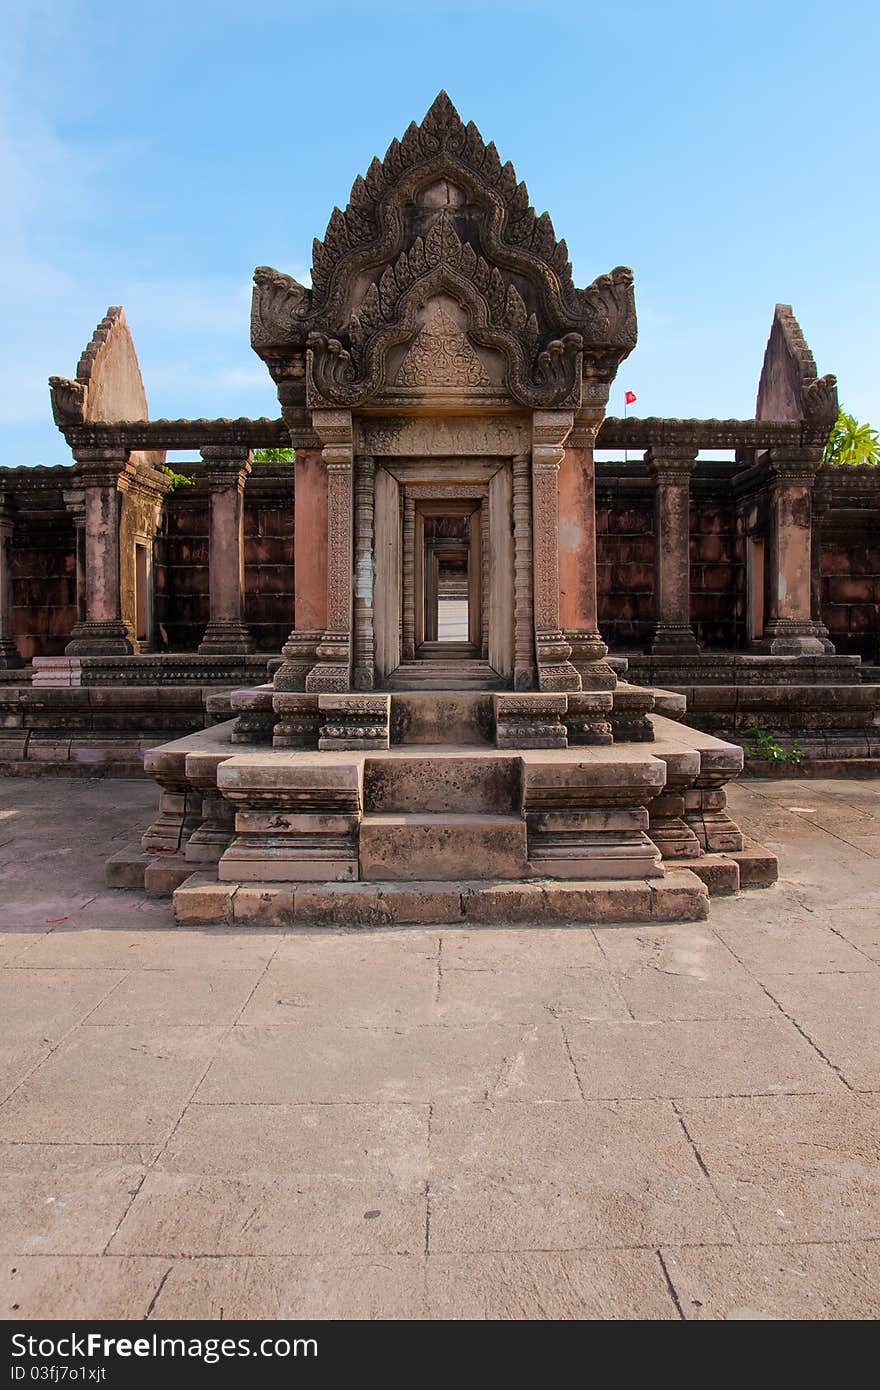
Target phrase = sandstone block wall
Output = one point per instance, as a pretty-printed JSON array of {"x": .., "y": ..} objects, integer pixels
[{"x": 43, "y": 562}]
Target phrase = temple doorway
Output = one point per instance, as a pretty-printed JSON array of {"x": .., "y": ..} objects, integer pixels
[
  {"x": 450, "y": 575},
  {"x": 443, "y": 605}
]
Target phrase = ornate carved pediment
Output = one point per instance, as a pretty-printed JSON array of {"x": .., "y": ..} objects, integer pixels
[
  {"x": 441, "y": 215},
  {"x": 441, "y": 356}
]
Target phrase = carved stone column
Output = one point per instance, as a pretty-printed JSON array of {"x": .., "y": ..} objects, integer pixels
[
  {"x": 75, "y": 501},
  {"x": 789, "y": 629},
  {"x": 9, "y": 656},
  {"x": 672, "y": 468},
  {"x": 578, "y": 599},
  {"x": 550, "y": 429},
  {"x": 228, "y": 466},
  {"x": 524, "y": 677},
  {"x": 364, "y": 637},
  {"x": 105, "y": 475},
  {"x": 309, "y": 571},
  {"x": 332, "y": 673},
  {"x": 821, "y": 503}
]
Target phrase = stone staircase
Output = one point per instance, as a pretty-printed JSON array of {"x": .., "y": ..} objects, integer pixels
[
  {"x": 444, "y": 819},
  {"x": 445, "y": 666},
  {"x": 445, "y": 822}
]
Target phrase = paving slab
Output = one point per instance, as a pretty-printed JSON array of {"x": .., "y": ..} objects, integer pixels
[
  {"x": 574, "y": 1285},
  {"x": 617, "y": 1174},
  {"x": 791, "y": 1168},
  {"x": 365, "y": 1288},
  {"x": 496, "y": 995},
  {"x": 751, "y": 1056},
  {"x": 78, "y": 1287},
  {"x": 314, "y": 981},
  {"x": 682, "y": 972},
  {"x": 438, "y": 1121},
  {"x": 66, "y": 1199},
  {"x": 744, "y": 1282},
  {"x": 111, "y": 1084},
  {"x": 331, "y": 1063},
  {"x": 188, "y": 995}
]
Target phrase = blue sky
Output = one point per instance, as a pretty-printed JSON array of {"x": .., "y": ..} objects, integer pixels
[{"x": 152, "y": 155}]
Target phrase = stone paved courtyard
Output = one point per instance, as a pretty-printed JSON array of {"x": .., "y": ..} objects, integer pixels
[{"x": 622, "y": 1122}]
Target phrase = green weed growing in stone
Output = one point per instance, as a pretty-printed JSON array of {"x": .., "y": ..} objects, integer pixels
[{"x": 766, "y": 748}]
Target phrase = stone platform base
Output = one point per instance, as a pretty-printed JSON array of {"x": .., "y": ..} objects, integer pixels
[
  {"x": 416, "y": 833},
  {"x": 95, "y": 732},
  {"x": 681, "y": 896}
]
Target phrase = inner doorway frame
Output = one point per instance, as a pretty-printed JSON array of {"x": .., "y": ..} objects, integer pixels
[
  {"x": 397, "y": 629},
  {"x": 425, "y": 579}
]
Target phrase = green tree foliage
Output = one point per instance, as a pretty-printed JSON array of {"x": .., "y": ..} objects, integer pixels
[
  {"x": 177, "y": 479},
  {"x": 850, "y": 443},
  {"x": 273, "y": 455}
]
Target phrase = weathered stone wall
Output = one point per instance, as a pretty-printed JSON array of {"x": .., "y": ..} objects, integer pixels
[
  {"x": 43, "y": 565},
  {"x": 850, "y": 573},
  {"x": 181, "y": 575},
  {"x": 268, "y": 555},
  {"x": 43, "y": 562},
  {"x": 625, "y": 551},
  {"x": 717, "y": 569},
  {"x": 181, "y": 566},
  {"x": 626, "y": 554}
]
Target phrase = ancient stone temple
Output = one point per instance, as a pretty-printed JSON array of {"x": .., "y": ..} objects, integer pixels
[{"x": 444, "y": 736}]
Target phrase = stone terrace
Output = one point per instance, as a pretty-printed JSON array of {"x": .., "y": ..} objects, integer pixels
[{"x": 645, "y": 1122}]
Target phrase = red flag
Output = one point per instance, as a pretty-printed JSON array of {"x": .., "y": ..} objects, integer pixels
[{"x": 630, "y": 397}]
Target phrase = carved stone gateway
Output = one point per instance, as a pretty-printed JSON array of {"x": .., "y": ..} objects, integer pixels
[
  {"x": 443, "y": 739},
  {"x": 443, "y": 341}
]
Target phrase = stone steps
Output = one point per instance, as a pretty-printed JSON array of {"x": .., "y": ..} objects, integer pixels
[
  {"x": 442, "y": 785},
  {"x": 446, "y": 674},
  {"x": 443, "y": 847},
  {"x": 457, "y": 717},
  {"x": 678, "y": 897}
]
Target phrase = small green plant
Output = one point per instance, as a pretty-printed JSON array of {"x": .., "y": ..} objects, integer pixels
[
  {"x": 274, "y": 455},
  {"x": 176, "y": 479},
  {"x": 766, "y": 748},
  {"x": 851, "y": 444}
]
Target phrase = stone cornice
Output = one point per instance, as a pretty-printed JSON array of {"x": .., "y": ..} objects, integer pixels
[
  {"x": 633, "y": 433},
  {"x": 179, "y": 434}
]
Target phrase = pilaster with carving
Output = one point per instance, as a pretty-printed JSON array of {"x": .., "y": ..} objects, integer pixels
[
  {"x": 579, "y": 613},
  {"x": 550, "y": 429},
  {"x": 671, "y": 469},
  {"x": 364, "y": 637},
  {"x": 523, "y": 606},
  {"x": 332, "y": 672}
]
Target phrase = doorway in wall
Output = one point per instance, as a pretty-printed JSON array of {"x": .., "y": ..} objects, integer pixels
[
  {"x": 143, "y": 595},
  {"x": 450, "y": 571}
]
